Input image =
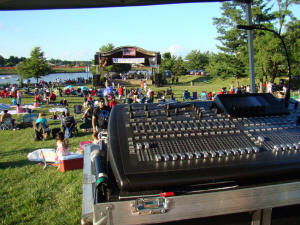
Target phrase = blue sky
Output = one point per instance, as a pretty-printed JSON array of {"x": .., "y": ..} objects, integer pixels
[{"x": 78, "y": 33}]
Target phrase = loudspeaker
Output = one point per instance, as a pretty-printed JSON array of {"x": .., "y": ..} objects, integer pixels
[{"x": 96, "y": 80}]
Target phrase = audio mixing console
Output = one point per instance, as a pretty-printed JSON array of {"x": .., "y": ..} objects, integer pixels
[{"x": 234, "y": 137}]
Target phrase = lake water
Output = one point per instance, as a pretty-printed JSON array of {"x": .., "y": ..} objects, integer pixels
[{"x": 13, "y": 78}]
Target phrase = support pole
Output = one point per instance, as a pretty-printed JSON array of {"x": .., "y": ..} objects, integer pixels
[{"x": 250, "y": 48}]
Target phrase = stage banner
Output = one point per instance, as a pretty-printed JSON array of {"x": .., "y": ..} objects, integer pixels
[
  {"x": 129, "y": 51},
  {"x": 129, "y": 60}
]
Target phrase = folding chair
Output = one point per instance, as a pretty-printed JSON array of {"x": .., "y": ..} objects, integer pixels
[
  {"x": 28, "y": 119},
  {"x": 77, "y": 110},
  {"x": 203, "y": 96},
  {"x": 186, "y": 95},
  {"x": 6, "y": 124},
  {"x": 195, "y": 96}
]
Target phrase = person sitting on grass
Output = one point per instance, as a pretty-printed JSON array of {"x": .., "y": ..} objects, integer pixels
[
  {"x": 62, "y": 144},
  {"x": 5, "y": 116},
  {"x": 43, "y": 121},
  {"x": 20, "y": 109},
  {"x": 87, "y": 119}
]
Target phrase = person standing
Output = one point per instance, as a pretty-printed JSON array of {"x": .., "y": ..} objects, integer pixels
[
  {"x": 100, "y": 116},
  {"x": 120, "y": 92},
  {"x": 19, "y": 97}
]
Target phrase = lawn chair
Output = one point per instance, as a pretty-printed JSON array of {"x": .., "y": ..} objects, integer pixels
[
  {"x": 203, "y": 96},
  {"x": 28, "y": 119},
  {"x": 6, "y": 124},
  {"x": 186, "y": 95},
  {"x": 195, "y": 96},
  {"x": 77, "y": 110}
]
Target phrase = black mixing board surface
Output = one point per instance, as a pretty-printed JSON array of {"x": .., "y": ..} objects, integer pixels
[{"x": 166, "y": 145}]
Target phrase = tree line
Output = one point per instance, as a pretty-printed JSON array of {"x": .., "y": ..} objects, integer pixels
[
  {"x": 14, "y": 60},
  {"x": 232, "y": 57}
]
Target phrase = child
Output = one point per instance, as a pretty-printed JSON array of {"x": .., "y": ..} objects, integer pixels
[{"x": 62, "y": 145}]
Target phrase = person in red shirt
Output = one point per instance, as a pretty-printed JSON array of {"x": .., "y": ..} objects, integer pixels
[
  {"x": 112, "y": 102},
  {"x": 93, "y": 92},
  {"x": 90, "y": 98},
  {"x": 3, "y": 93},
  {"x": 120, "y": 92}
]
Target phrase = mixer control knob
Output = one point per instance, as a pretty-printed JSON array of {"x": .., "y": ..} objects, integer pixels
[
  {"x": 227, "y": 152},
  {"x": 213, "y": 154},
  {"x": 284, "y": 147},
  {"x": 277, "y": 148},
  {"x": 242, "y": 151},
  {"x": 296, "y": 146},
  {"x": 146, "y": 144},
  {"x": 129, "y": 108},
  {"x": 260, "y": 139},
  {"x": 157, "y": 158},
  {"x": 145, "y": 107},
  {"x": 198, "y": 155},
  {"x": 290, "y": 146},
  {"x": 205, "y": 154},
  {"x": 189, "y": 155},
  {"x": 138, "y": 146},
  {"x": 174, "y": 157},
  {"x": 221, "y": 153},
  {"x": 181, "y": 155},
  {"x": 255, "y": 149},
  {"x": 166, "y": 157},
  {"x": 235, "y": 151},
  {"x": 248, "y": 150}
]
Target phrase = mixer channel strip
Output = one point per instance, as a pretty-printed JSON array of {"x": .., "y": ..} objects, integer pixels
[{"x": 194, "y": 147}]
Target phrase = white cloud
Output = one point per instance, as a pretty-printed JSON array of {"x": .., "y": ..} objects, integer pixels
[{"x": 175, "y": 49}]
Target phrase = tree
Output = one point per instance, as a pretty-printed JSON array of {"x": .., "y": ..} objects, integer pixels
[
  {"x": 2, "y": 61},
  {"x": 270, "y": 59},
  {"x": 167, "y": 62},
  {"x": 106, "y": 48},
  {"x": 269, "y": 54},
  {"x": 178, "y": 66},
  {"x": 219, "y": 66},
  {"x": 292, "y": 38},
  {"x": 196, "y": 60},
  {"x": 35, "y": 66}
]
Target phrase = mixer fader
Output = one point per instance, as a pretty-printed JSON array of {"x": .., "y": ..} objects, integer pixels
[{"x": 163, "y": 145}]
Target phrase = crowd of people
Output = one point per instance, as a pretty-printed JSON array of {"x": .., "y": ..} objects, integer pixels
[{"x": 97, "y": 104}]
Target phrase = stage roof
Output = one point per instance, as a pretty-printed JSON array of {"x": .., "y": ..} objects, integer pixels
[{"x": 73, "y": 4}]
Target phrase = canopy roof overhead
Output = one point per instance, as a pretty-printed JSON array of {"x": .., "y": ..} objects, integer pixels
[
  {"x": 72, "y": 4},
  {"x": 127, "y": 54}
]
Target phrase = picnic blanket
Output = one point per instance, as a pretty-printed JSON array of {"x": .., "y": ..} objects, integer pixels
[
  {"x": 49, "y": 155},
  {"x": 14, "y": 112},
  {"x": 58, "y": 110},
  {"x": 44, "y": 154}
]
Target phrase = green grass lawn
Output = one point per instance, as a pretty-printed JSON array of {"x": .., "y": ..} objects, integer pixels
[{"x": 31, "y": 195}]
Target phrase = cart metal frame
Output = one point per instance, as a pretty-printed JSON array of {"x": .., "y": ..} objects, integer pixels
[{"x": 258, "y": 199}]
